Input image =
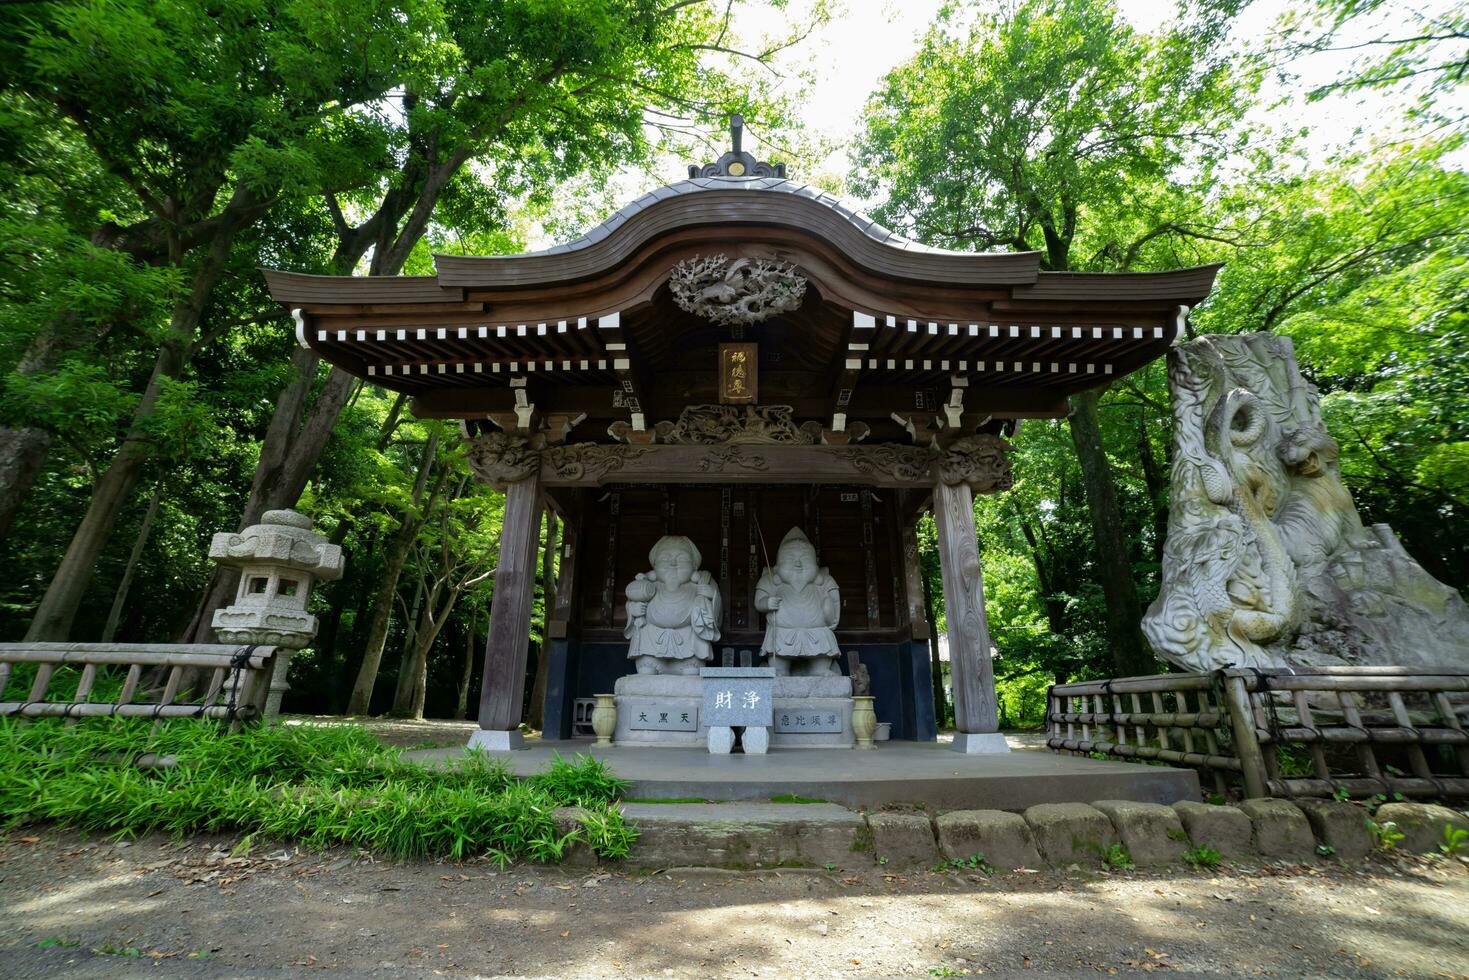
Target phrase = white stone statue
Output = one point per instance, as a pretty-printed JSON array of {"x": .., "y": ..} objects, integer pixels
[
  {"x": 672, "y": 611},
  {"x": 1267, "y": 563},
  {"x": 802, "y": 605}
]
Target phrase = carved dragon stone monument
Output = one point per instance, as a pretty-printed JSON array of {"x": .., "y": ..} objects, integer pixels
[{"x": 1267, "y": 562}]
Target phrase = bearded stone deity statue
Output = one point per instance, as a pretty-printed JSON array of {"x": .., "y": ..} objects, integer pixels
[
  {"x": 802, "y": 605},
  {"x": 672, "y": 611}
]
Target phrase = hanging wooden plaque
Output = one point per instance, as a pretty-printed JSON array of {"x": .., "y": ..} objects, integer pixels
[{"x": 738, "y": 374}]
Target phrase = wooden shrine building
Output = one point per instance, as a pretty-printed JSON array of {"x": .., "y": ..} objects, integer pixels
[{"x": 725, "y": 358}]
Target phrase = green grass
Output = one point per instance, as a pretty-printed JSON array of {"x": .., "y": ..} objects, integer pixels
[
  {"x": 794, "y": 798},
  {"x": 320, "y": 786}
]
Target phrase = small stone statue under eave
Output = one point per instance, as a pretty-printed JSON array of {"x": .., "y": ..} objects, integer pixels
[
  {"x": 1267, "y": 562},
  {"x": 672, "y": 611},
  {"x": 802, "y": 606}
]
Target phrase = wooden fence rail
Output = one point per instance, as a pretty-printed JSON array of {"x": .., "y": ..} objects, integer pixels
[
  {"x": 1283, "y": 732},
  {"x": 200, "y": 680}
]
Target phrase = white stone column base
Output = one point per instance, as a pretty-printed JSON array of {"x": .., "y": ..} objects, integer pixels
[
  {"x": 982, "y": 743},
  {"x": 721, "y": 739},
  {"x": 496, "y": 741},
  {"x": 755, "y": 740}
]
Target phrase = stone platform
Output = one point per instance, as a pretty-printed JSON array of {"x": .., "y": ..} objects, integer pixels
[
  {"x": 664, "y": 710},
  {"x": 930, "y": 773}
]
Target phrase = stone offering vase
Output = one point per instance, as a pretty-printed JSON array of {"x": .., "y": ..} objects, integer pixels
[
  {"x": 864, "y": 719},
  {"x": 604, "y": 718}
]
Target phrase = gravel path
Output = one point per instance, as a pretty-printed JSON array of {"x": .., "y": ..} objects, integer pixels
[{"x": 72, "y": 907}]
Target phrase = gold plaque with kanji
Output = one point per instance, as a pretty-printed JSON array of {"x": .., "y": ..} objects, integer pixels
[{"x": 738, "y": 373}]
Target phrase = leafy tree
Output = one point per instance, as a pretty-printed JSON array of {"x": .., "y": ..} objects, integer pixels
[
  {"x": 1394, "y": 44},
  {"x": 1053, "y": 125},
  {"x": 207, "y": 137}
]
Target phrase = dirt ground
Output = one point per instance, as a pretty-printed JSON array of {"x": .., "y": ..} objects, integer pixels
[{"x": 74, "y": 907}]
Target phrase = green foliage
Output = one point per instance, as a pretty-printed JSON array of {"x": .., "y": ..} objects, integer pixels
[
  {"x": 58, "y": 942},
  {"x": 320, "y": 786},
  {"x": 1049, "y": 125},
  {"x": 975, "y": 862},
  {"x": 1385, "y": 833},
  {"x": 1116, "y": 858},
  {"x": 1202, "y": 856},
  {"x": 1455, "y": 841}
]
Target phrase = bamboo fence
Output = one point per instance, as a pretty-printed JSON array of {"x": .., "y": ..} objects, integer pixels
[
  {"x": 200, "y": 680},
  {"x": 1281, "y": 732}
]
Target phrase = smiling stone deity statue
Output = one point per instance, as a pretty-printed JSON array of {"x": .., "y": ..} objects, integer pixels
[
  {"x": 801, "y": 604},
  {"x": 672, "y": 611}
]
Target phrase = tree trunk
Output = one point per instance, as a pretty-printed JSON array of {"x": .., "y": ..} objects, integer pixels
[
  {"x": 537, "y": 714},
  {"x": 109, "y": 632},
  {"x": 23, "y": 455},
  {"x": 461, "y": 693},
  {"x": 1156, "y": 480},
  {"x": 298, "y": 434},
  {"x": 1130, "y": 655},
  {"x": 382, "y": 606},
  {"x": 58, "y": 608},
  {"x": 23, "y": 451},
  {"x": 403, "y": 689},
  {"x": 426, "y": 639},
  {"x": 288, "y": 457}
]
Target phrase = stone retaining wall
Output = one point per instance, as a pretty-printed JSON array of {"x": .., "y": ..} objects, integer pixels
[
  {"x": 1110, "y": 832},
  {"x": 1150, "y": 835}
]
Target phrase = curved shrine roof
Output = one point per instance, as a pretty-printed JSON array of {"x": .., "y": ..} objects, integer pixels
[{"x": 898, "y": 322}]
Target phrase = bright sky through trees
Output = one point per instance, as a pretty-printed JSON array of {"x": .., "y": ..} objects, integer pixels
[{"x": 866, "y": 39}]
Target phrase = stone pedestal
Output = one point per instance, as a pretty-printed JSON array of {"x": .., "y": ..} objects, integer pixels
[
  {"x": 813, "y": 713},
  {"x": 494, "y": 740},
  {"x": 983, "y": 743},
  {"x": 659, "y": 709},
  {"x": 808, "y": 712}
]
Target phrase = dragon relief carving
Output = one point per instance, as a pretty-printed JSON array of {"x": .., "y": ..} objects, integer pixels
[
  {"x": 590, "y": 459},
  {"x": 982, "y": 461},
  {"x": 501, "y": 458},
  {"x": 1267, "y": 562},
  {"x": 906, "y": 463},
  {"x": 719, "y": 457},
  {"x": 739, "y": 292}
]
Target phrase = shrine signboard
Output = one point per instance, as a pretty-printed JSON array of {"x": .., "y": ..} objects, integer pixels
[{"x": 738, "y": 374}]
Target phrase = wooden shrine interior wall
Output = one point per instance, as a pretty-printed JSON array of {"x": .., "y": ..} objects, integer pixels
[
  {"x": 857, "y": 534},
  {"x": 854, "y": 530}
]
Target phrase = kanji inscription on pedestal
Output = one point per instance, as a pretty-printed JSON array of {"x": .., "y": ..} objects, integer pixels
[
  {"x": 735, "y": 696},
  {"x": 810, "y": 720},
  {"x": 664, "y": 718}
]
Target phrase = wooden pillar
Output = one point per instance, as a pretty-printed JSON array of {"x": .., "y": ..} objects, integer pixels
[
  {"x": 562, "y": 658},
  {"x": 976, "y": 716},
  {"x": 502, "y": 690}
]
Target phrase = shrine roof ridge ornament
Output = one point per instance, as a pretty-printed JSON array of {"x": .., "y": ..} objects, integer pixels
[{"x": 737, "y": 163}]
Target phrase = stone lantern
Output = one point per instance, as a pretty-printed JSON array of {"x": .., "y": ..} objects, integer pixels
[{"x": 279, "y": 559}]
